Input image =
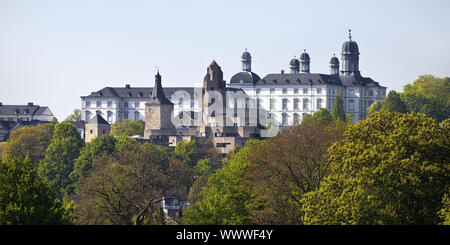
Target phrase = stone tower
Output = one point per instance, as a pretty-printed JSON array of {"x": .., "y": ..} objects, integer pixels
[
  {"x": 158, "y": 112},
  {"x": 96, "y": 127},
  {"x": 214, "y": 95}
]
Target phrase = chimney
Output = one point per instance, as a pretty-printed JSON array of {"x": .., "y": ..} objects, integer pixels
[
  {"x": 282, "y": 71},
  {"x": 127, "y": 85},
  {"x": 30, "y": 104}
]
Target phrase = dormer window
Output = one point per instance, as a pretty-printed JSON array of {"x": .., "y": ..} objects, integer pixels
[{"x": 129, "y": 94}]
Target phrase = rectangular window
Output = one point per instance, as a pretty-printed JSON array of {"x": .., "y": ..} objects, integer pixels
[
  {"x": 305, "y": 90},
  {"x": 258, "y": 90},
  {"x": 284, "y": 90},
  {"x": 370, "y": 92},
  {"x": 319, "y": 90},
  {"x": 285, "y": 101},
  {"x": 351, "y": 106},
  {"x": 272, "y": 104},
  {"x": 109, "y": 103},
  {"x": 88, "y": 104},
  {"x": 295, "y": 90},
  {"x": 180, "y": 102},
  {"x": 272, "y": 90},
  {"x": 136, "y": 104},
  {"x": 305, "y": 104},
  {"x": 125, "y": 105},
  {"x": 99, "y": 104},
  {"x": 295, "y": 104},
  {"x": 319, "y": 104}
]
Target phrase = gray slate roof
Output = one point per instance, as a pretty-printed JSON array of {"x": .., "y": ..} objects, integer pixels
[
  {"x": 316, "y": 79},
  {"x": 245, "y": 77},
  {"x": 97, "y": 119},
  {"x": 22, "y": 109}
]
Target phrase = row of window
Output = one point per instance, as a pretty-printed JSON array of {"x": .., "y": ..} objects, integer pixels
[
  {"x": 285, "y": 90},
  {"x": 109, "y": 104},
  {"x": 284, "y": 104},
  {"x": 109, "y": 115}
]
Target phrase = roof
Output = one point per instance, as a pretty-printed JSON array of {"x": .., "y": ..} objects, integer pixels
[
  {"x": 350, "y": 47},
  {"x": 304, "y": 56},
  {"x": 334, "y": 60},
  {"x": 97, "y": 119},
  {"x": 245, "y": 77},
  {"x": 78, "y": 124},
  {"x": 29, "y": 109},
  {"x": 316, "y": 78},
  {"x": 158, "y": 96},
  {"x": 246, "y": 55}
]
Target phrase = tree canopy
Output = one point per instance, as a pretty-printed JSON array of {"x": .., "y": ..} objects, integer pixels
[
  {"x": 388, "y": 169},
  {"x": 338, "y": 108},
  {"x": 29, "y": 141},
  {"x": 74, "y": 117},
  {"x": 25, "y": 199},
  {"x": 128, "y": 128},
  {"x": 59, "y": 158}
]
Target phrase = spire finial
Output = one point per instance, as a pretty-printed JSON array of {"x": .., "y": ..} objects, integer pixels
[
  {"x": 334, "y": 55},
  {"x": 157, "y": 69},
  {"x": 350, "y": 34},
  {"x": 304, "y": 50}
]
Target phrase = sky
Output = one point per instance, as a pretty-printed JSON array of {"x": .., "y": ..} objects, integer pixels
[{"x": 54, "y": 51}]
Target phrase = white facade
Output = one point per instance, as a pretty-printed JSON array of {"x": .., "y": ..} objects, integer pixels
[{"x": 286, "y": 105}]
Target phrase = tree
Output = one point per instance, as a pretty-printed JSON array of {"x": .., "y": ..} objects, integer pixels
[
  {"x": 289, "y": 165},
  {"x": 322, "y": 116},
  {"x": 187, "y": 152},
  {"x": 388, "y": 169},
  {"x": 338, "y": 108},
  {"x": 374, "y": 107},
  {"x": 128, "y": 128},
  {"x": 416, "y": 102},
  {"x": 74, "y": 117},
  {"x": 59, "y": 159},
  {"x": 25, "y": 199},
  {"x": 125, "y": 187},
  {"x": 29, "y": 141},
  {"x": 393, "y": 103},
  {"x": 431, "y": 86},
  {"x": 444, "y": 213},
  {"x": 223, "y": 199},
  {"x": 105, "y": 144}
]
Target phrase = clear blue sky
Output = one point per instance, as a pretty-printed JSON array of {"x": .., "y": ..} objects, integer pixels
[{"x": 52, "y": 52}]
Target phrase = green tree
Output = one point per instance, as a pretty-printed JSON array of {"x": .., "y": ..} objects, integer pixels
[
  {"x": 128, "y": 128},
  {"x": 59, "y": 159},
  {"x": 29, "y": 142},
  {"x": 105, "y": 144},
  {"x": 288, "y": 166},
  {"x": 322, "y": 116},
  {"x": 393, "y": 103},
  {"x": 416, "y": 102},
  {"x": 25, "y": 199},
  {"x": 374, "y": 107},
  {"x": 74, "y": 117},
  {"x": 224, "y": 196},
  {"x": 187, "y": 152},
  {"x": 444, "y": 213},
  {"x": 388, "y": 169},
  {"x": 123, "y": 188},
  {"x": 338, "y": 108},
  {"x": 431, "y": 86}
]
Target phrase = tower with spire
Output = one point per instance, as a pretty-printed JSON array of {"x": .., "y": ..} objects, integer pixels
[
  {"x": 158, "y": 112},
  {"x": 294, "y": 65},
  {"x": 350, "y": 57},
  {"x": 304, "y": 62},
  {"x": 334, "y": 66},
  {"x": 214, "y": 94},
  {"x": 246, "y": 61}
]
